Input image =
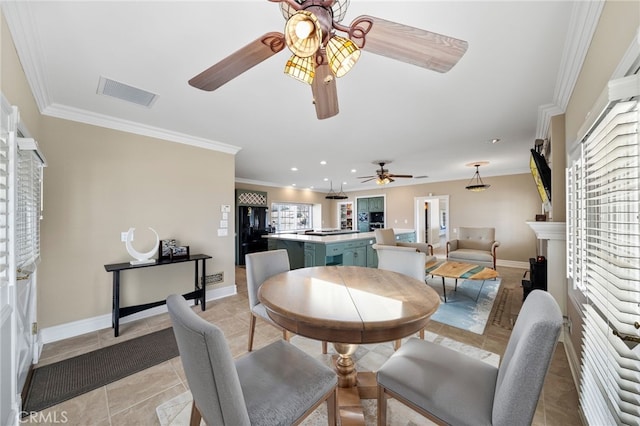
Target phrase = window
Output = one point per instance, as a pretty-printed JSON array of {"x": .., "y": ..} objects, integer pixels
[
  {"x": 286, "y": 217},
  {"x": 603, "y": 195}
]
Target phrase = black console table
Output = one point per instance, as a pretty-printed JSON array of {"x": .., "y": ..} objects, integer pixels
[{"x": 198, "y": 294}]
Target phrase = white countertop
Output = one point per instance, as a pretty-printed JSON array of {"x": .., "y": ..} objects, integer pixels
[{"x": 331, "y": 238}]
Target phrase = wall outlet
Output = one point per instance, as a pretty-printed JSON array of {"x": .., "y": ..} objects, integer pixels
[{"x": 123, "y": 236}]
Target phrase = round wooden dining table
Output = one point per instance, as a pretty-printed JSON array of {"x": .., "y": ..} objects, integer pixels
[{"x": 348, "y": 305}]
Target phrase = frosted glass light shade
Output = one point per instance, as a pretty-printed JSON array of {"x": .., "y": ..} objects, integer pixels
[
  {"x": 342, "y": 54},
  {"x": 300, "y": 68}
]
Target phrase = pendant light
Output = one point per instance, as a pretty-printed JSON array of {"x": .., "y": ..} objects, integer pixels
[
  {"x": 332, "y": 195},
  {"x": 476, "y": 184}
]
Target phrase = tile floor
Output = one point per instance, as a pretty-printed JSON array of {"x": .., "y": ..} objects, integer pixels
[{"x": 133, "y": 400}]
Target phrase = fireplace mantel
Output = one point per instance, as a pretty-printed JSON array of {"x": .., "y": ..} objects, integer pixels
[{"x": 549, "y": 230}]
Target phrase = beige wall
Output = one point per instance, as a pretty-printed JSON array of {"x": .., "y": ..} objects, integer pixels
[
  {"x": 507, "y": 205},
  {"x": 98, "y": 183},
  {"x": 616, "y": 29}
]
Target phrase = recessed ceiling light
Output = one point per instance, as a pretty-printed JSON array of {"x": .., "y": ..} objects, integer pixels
[
  {"x": 353, "y": 170},
  {"x": 311, "y": 187},
  {"x": 323, "y": 162},
  {"x": 495, "y": 140},
  {"x": 326, "y": 179},
  {"x": 294, "y": 169},
  {"x": 344, "y": 183},
  {"x": 293, "y": 184}
]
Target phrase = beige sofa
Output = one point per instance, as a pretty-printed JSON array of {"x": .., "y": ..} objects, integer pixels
[{"x": 474, "y": 245}]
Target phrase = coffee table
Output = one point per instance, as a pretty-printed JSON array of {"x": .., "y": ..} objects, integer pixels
[{"x": 459, "y": 270}]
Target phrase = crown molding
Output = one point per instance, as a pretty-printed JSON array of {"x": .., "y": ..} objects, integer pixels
[
  {"x": 24, "y": 31},
  {"x": 101, "y": 120},
  {"x": 582, "y": 25}
]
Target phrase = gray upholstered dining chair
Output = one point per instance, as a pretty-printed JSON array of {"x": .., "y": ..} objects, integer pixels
[
  {"x": 449, "y": 387},
  {"x": 403, "y": 260},
  {"x": 276, "y": 385},
  {"x": 260, "y": 266}
]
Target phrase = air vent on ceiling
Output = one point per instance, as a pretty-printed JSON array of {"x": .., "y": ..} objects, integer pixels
[{"x": 125, "y": 92}]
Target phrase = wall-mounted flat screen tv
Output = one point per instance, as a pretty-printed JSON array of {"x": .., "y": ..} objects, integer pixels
[{"x": 541, "y": 175}]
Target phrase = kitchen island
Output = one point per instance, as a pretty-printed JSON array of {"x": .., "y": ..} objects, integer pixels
[{"x": 351, "y": 249}]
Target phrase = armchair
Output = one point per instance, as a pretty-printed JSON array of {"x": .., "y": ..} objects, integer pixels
[
  {"x": 387, "y": 237},
  {"x": 474, "y": 245}
]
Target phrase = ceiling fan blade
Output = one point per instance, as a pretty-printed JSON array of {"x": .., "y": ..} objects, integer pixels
[
  {"x": 324, "y": 90},
  {"x": 400, "y": 176},
  {"x": 423, "y": 48},
  {"x": 366, "y": 177},
  {"x": 372, "y": 178},
  {"x": 238, "y": 62}
]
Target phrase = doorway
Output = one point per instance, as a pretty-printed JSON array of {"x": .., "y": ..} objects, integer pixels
[{"x": 432, "y": 220}]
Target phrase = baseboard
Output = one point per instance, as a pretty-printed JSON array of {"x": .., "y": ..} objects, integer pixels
[
  {"x": 572, "y": 357},
  {"x": 512, "y": 264},
  {"x": 88, "y": 325}
]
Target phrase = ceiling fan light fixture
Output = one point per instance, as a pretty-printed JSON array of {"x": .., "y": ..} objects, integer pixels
[
  {"x": 383, "y": 181},
  {"x": 303, "y": 33},
  {"x": 342, "y": 54},
  {"x": 339, "y": 9},
  {"x": 476, "y": 184},
  {"x": 300, "y": 68}
]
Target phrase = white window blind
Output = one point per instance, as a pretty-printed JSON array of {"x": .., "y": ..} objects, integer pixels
[
  {"x": 604, "y": 204},
  {"x": 28, "y": 209},
  {"x": 575, "y": 223},
  {"x": 4, "y": 214}
]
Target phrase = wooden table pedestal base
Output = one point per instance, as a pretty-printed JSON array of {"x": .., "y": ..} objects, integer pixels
[{"x": 349, "y": 399}]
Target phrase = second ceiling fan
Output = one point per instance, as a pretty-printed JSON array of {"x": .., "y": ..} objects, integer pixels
[
  {"x": 320, "y": 55},
  {"x": 382, "y": 175}
]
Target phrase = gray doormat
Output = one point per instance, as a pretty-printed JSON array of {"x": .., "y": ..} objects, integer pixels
[{"x": 54, "y": 383}]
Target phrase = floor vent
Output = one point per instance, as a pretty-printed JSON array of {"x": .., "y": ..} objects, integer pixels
[
  {"x": 215, "y": 278},
  {"x": 125, "y": 92}
]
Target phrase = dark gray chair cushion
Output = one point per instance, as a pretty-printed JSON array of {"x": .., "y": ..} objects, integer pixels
[
  {"x": 464, "y": 391},
  {"x": 274, "y": 385},
  {"x": 280, "y": 382},
  {"x": 444, "y": 382}
]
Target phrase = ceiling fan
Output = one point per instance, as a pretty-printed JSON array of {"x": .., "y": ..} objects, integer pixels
[
  {"x": 382, "y": 175},
  {"x": 320, "y": 55}
]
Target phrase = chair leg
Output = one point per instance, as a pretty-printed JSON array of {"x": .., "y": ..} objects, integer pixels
[
  {"x": 285, "y": 335},
  {"x": 252, "y": 329},
  {"x": 195, "y": 415},
  {"x": 382, "y": 407},
  {"x": 422, "y": 334},
  {"x": 397, "y": 344},
  {"x": 332, "y": 408},
  {"x": 324, "y": 347}
]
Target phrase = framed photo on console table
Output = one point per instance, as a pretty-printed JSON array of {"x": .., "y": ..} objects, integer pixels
[
  {"x": 164, "y": 251},
  {"x": 179, "y": 252}
]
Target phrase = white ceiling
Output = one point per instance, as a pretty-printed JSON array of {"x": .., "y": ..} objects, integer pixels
[{"x": 428, "y": 123}]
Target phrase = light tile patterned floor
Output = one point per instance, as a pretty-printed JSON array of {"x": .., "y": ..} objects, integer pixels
[{"x": 133, "y": 400}]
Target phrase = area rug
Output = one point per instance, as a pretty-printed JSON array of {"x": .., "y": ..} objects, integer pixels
[
  {"x": 462, "y": 310},
  {"x": 54, "y": 383},
  {"x": 177, "y": 411}
]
